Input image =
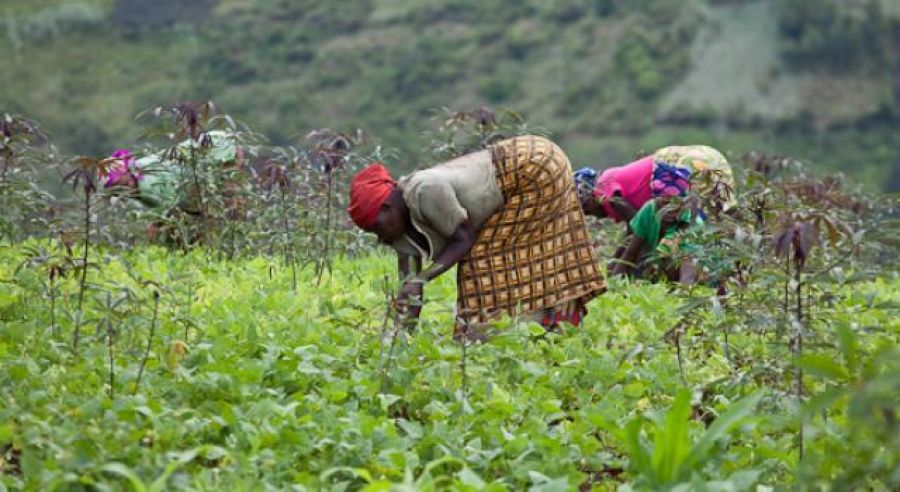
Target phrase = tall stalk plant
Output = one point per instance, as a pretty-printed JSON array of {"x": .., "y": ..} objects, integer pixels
[
  {"x": 23, "y": 144},
  {"x": 83, "y": 178}
]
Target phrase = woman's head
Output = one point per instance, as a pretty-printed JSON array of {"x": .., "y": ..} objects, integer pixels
[
  {"x": 376, "y": 204},
  {"x": 122, "y": 170},
  {"x": 585, "y": 185},
  {"x": 393, "y": 218}
]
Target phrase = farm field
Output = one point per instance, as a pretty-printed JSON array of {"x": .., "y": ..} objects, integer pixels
[
  {"x": 197, "y": 292},
  {"x": 249, "y": 385},
  {"x": 243, "y": 334}
]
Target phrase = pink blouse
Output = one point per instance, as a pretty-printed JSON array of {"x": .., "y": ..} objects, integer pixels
[{"x": 631, "y": 181}]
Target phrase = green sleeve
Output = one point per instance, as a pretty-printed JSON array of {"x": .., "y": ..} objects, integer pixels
[
  {"x": 646, "y": 224},
  {"x": 160, "y": 184},
  {"x": 690, "y": 223},
  {"x": 222, "y": 150}
]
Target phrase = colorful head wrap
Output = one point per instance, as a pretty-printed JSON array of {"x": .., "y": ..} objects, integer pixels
[
  {"x": 368, "y": 191},
  {"x": 669, "y": 180},
  {"x": 124, "y": 163},
  {"x": 585, "y": 180}
]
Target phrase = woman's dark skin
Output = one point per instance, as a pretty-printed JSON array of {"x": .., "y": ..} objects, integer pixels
[
  {"x": 627, "y": 256},
  {"x": 392, "y": 223},
  {"x": 593, "y": 208}
]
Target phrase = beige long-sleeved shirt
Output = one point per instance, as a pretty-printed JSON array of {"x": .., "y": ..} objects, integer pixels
[{"x": 442, "y": 197}]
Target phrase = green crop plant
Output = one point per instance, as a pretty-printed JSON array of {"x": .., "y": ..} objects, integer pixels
[
  {"x": 456, "y": 133},
  {"x": 23, "y": 149},
  {"x": 84, "y": 178},
  {"x": 674, "y": 455},
  {"x": 225, "y": 363},
  {"x": 154, "y": 288},
  {"x": 54, "y": 264}
]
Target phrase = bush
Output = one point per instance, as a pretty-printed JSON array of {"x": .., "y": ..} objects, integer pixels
[
  {"x": 159, "y": 13},
  {"x": 832, "y": 33},
  {"x": 53, "y": 22}
]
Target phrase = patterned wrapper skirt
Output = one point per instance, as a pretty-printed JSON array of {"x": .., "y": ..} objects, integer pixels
[{"x": 533, "y": 255}]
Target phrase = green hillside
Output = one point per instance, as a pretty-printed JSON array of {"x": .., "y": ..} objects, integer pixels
[{"x": 819, "y": 80}]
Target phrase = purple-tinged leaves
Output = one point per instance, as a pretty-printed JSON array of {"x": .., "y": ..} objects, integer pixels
[
  {"x": 798, "y": 238},
  {"x": 85, "y": 173}
]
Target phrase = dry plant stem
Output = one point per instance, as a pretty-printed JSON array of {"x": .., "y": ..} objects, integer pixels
[
  {"x": 325, "y": 260},
  {"x": 680, "y": 357},
  {"x": 387, "y": 316},
  {"x": 465, "y": 379},
  {"x": 196, "y": 177},
  {"x": 798, "y": 293},
  {"x": 786, "y": 306},
  {"x": 390, "y": 355},
  {"x": 112, "y": 365},
  {"x": 53, "y": 305},
  {"x": 288, "y": 249},
  {"x": 3, "y": 181},
  {"x": 727, "y": 346},
  {"x": 187, "y": 309},
  {"x": 82, "y": 283},
  {"x": 137, "y": 383},
  {"x": 396, "y": 332}
]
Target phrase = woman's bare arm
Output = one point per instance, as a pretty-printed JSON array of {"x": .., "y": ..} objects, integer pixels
[
  {"x": 629, "y": 255},
  {"x": 622, "y": 207}
]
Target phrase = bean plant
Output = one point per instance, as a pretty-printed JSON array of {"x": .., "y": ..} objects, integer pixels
[{"x": 257, "y": 345}]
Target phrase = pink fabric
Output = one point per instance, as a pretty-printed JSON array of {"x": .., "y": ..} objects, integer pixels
[
  {"x": 123, "y": 163},
  {"x": 631, "y": 181}
]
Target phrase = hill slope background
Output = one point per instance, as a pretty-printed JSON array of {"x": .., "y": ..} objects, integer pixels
[{"x": 610, "y": 79}]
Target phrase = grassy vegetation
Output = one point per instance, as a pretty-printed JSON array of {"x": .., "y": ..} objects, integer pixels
[
  {"x": 249, "y": 382},
  {"x": 261, "y": 348}
]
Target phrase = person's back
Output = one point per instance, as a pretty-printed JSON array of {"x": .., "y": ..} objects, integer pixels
[
  {"x": 440, "y": 197},
  {"x": 630, "y": 182}
]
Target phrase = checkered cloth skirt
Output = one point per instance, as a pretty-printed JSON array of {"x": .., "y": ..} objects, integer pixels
[{"x": 533, "y": 255}]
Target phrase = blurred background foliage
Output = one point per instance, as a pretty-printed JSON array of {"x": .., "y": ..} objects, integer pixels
[{"x": 815, "y": 79}]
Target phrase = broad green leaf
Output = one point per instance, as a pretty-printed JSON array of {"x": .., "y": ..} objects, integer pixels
[
  {"x": 821, "y": 402},
  {"x": 379, "y": 486},
  {"x": 6, "y": 433},
  {"x": 182, "y": 459},
  {"x": 848, "y": 344},
  {"x": 360, "y": 473},
  {"x": 672, "y": 442},
  {"x": 639, "y": 455},
  {"x": 822, "y": 365},
  {"x": 735, "y": 414},
  {"x": 446, "y": 460},
  {"x": 122, "y": 471},
  {"x": 469, "y": 477}
]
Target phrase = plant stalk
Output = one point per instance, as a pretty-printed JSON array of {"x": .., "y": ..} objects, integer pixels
[
  {"x": 53, "y": 304},
  {"x": 137, "y": 383},
  {"x": 82, "y": 283},
  {"x": 112, "y": 365},
  {"x": 799, "y": 348},
  {"x": 326, "y": 256}
]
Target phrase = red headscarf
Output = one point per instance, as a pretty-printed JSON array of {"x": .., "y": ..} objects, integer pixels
[{"x": 368, "y": 191}]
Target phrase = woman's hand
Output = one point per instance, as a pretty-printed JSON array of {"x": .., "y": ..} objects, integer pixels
[
  {"x": 410, "y": 291},
  {"x": 628, "y": 255},
  {"x": 622, "y": 207},
  {"x": 409, "y": 300}
]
